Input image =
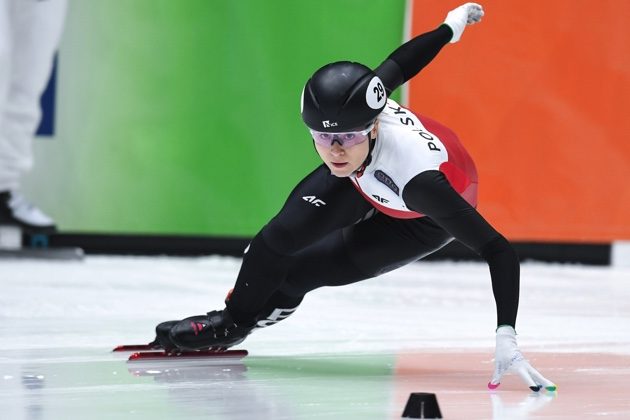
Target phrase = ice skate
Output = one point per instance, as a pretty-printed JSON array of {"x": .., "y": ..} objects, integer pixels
[
  {"x": 215, "y": 330},
  {"x": 218, "y": 331},
  {"x": 163, "y": 348},
  {"x": 16, "y": 210}
]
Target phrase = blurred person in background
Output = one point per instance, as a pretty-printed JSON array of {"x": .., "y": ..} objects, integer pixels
[
  {"x": 394, "y": 187},
  {"x": 30, "y": 31}
]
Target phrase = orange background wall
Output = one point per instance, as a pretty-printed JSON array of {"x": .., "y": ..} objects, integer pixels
[{"x": 539, "y": 92}]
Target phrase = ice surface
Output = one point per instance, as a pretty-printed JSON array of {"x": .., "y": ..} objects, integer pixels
[{"x": 348, "y": 352}]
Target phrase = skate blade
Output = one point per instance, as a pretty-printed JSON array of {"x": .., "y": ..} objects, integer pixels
[
  {"x": 187, "y": 355},
  {"x": 135, "y": 347},
  {"x": 73, "y": 254}
]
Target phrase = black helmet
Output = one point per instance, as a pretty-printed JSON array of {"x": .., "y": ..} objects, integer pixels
[{"x": 342, "y": 96}]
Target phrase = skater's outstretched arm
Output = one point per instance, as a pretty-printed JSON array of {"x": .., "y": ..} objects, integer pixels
[
  {"x": 411, "y": 57},
  {"x": 431, "y": 194}
]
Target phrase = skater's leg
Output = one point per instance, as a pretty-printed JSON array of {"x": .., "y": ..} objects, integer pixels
[
  {"x": 320, "y": 204},
  {"x": 362, "y": 251}
]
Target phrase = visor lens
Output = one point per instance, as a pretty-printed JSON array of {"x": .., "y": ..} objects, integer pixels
[{"x": 347, "y": 139}]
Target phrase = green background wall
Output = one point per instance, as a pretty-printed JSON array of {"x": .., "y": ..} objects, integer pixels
[{"x": 183, "y": 117}]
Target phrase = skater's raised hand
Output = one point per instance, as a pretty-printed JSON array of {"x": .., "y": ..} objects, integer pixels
[
  {"x": 458, "y": 18},
  {"x": 508, "y": 358}
]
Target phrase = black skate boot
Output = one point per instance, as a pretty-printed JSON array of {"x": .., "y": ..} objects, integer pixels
[
  {"x": 215, "y": 330},
  {"x": 162, "y": 340}
]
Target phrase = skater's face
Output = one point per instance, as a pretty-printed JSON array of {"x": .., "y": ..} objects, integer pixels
[{"x": 343, "y": 158}]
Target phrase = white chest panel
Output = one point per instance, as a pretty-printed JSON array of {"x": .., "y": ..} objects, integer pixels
[{"x": 404, "y": 148}]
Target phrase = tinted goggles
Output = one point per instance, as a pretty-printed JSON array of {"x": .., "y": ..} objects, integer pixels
[{"x": 346, "y": 139}]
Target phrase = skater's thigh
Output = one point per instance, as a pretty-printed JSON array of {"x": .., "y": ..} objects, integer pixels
[
  {"x": 363, "y": 250},
  {"x": 382, "y": 243}
]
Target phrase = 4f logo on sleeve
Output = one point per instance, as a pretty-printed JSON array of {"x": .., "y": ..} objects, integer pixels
[{"x": 313, "y": 200}]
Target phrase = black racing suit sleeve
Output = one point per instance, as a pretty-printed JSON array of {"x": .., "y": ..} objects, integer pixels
[
  {"x": 430, "y": 193},
  {"x": 412, "y": 56}
]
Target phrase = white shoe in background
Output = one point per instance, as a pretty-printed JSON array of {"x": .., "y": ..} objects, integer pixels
[{"x": 16, "y": 210}]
